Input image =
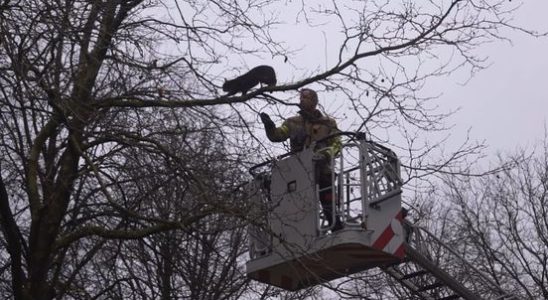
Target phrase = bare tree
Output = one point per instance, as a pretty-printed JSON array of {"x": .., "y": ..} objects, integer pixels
[
  {"x": 92, "y": 94},
  {"x": 503, "y": 222}
]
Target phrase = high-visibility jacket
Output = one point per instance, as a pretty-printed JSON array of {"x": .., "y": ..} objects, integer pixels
[{"x": 304, "y": 129}]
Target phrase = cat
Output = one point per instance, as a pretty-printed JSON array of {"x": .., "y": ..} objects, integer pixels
[{"x": 261, "y": 74}]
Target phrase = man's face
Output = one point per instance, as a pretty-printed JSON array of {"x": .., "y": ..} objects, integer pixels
[{"x": 307, "y": 101}]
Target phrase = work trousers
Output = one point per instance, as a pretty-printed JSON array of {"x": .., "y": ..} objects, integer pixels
[{"x": 323, "y": 178}]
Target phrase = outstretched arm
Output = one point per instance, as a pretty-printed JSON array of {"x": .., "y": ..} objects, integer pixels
[{"x": 274, "y": 134}]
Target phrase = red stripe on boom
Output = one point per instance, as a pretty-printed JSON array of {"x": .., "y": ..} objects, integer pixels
[
  {"x": 400, "y": 252},
  {"x": 384, "y": 238}
]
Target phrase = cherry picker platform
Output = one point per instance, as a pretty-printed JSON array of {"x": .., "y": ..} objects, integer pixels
[{"x": 292, "y": 245}]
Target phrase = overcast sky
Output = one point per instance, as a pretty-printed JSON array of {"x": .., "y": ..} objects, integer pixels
[{"x": 507, "y": 104}]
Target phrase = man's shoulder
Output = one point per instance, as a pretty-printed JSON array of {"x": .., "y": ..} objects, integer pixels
[
  {"x": 323, "y": 119},
  {"x": 327, "y": 119},
  {"x": 295, "y": 119}
]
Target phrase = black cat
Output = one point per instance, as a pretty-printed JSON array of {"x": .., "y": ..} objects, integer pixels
[{"x": 261, "y": 74}]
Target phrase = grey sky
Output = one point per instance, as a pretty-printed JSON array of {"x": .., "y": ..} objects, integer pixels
[{"x": 507, "y": 104}]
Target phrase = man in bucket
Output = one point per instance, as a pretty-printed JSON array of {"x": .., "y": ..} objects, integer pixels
[{"x": 302, "y": 130}]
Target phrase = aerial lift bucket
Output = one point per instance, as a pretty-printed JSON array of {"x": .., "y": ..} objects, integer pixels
[{"x": 291, "y": 245}]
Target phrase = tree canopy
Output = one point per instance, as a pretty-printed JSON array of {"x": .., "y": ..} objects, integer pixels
[{"x": 121, "y": 158}]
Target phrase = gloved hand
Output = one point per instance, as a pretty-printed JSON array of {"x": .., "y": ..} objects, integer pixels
[{"x": 268, "y": 124}]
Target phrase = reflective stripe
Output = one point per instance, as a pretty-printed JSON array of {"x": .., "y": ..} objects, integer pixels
[
  {"x": 284, "y": 129},
  {"x": 335, "y": 146}
]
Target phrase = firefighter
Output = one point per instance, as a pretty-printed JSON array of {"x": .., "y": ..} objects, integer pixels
[{"x": 302, "y": 130}]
